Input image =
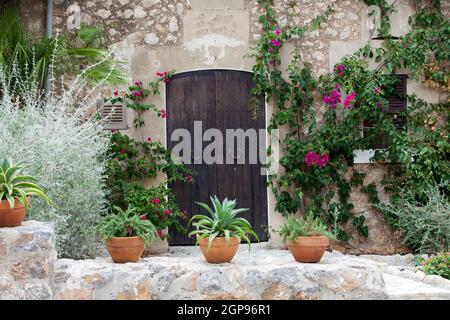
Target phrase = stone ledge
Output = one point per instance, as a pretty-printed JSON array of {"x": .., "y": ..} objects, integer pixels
[
  {"x": 183, "y": 274},
  {"x": 27, "y": 255}
]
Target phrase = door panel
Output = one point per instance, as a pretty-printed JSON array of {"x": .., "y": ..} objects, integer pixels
[{"x": 220, "y": 99}]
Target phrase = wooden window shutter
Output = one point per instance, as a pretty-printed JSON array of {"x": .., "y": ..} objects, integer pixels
[
  {"x": 398, "y": 100},
  {"x": 115, "y": 115},
  {"x": 397, "y": 105}
]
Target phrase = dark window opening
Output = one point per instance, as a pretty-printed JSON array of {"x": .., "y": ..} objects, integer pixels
[{"x": 397, "y": 105}]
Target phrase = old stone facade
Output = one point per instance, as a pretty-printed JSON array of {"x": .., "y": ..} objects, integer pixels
[{"x": 158, "y": 35}]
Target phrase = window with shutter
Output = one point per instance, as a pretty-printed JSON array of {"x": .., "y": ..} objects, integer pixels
[
  {"x": 115, "y": 115},
  {"x": 397, "y": 105}
]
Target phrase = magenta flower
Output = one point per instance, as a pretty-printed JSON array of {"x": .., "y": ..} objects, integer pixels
[
  {"x": 278, "y": 31},
  {"x": 116, "y": 93},
  {"x": 349, "y": 99},
  {"x": 163, "y": 113},
  {"x": 377, "y": 90},
  {"x": 379, "y": 104},
  {"x": 312, "y": 158},
  {"x": 138, "y": 83},
  {"x": 275, "y": 43},
  {"x": 270, "y": 50}
]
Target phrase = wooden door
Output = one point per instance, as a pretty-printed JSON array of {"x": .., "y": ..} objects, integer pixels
[{"x": 219, "y": 99}]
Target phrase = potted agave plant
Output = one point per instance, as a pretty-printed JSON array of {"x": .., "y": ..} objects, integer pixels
[
  {"x": 15, "y": 192},
  {"x": 307, "y": 238},
  {"x": 220, "y": 233},
  {"x": 126, "y": 234}
]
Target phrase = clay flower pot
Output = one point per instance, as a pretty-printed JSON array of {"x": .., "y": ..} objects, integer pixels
[
  {"x": 12, "y": 217},
  {"x": 125, "y": 249},
  {"x": 308, "y": 249},
  {"x": 219, "y": 252}
]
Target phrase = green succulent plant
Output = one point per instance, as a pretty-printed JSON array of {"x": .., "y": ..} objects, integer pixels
[
  {"x": 304, "y": 226},
  {"x": 15, "y": 185},
  {"x": 127, "y": 224},
  {"x": 222, "y": 222}
]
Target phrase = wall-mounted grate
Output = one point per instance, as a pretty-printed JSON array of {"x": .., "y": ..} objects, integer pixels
[{"x": 115, "y": 115}]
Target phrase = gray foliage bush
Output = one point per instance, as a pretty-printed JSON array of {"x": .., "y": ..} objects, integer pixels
[
  {"x": 65, "y": 149},
  {"x": 426, "y": 225}
]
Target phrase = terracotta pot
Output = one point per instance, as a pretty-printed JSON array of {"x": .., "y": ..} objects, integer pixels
[
  {"x": 125, "y": 249},
  {"x": 12, "y": 217},
  {"x": 219, "y": 252},
  {"x": 308, "y": 249}
]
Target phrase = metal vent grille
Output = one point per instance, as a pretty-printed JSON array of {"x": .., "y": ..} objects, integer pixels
[{"x": 115, "y": 115}]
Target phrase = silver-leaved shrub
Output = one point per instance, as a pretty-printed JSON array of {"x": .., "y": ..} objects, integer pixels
[{"x": 65, "y": 149}]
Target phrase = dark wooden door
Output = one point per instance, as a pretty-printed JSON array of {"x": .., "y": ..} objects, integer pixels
[{"x": 219, "y": 99}]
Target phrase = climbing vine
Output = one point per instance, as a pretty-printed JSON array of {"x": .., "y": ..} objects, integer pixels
[{"x": 317, "y": 158}]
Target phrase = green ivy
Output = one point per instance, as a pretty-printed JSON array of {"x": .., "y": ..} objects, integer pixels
[{"x": 324, "y": 189}]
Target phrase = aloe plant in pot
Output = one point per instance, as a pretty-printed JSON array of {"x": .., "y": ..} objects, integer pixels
[
  {"x": 15, "y": 192},
  {"x": 306, "y": 237},
  {"x": 126, "y": 234},
  {"x": 220, "y": 233}
]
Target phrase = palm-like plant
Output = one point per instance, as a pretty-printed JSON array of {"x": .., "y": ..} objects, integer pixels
[
  {"x": 127, "y": 224},
  {"x": 222, "y": 222},
  {"x": 71, "y": 53},
  {"x": 14, "y": 185}
]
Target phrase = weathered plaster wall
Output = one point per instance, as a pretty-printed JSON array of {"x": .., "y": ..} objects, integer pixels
[{"x": 155, "y": 35}]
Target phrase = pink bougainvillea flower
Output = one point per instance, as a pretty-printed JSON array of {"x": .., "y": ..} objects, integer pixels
[
  {"x": 143, "y": 217},
  {"x": 167, "y": 212},
  {"x": 337, "y": 86},
  {"x": 138, "y": 83},
  {"x": 138, "y": 93},
  {"x": 161, "y": 74},
  {"x": 349, "y": 99},
  {"x": 116, "y": 93},
  {"x": 160, "y": 233},
  {"x": 275, "y": 43},
  {"x": 155, "y": 201},
  {"x": 326, "y": 99},
  {"x": 278, "y": 31},
  {"x": 122, "y": 151},
  {"x": 113, "y": 130},
  {"x": 312, "y": 158},
  {"x": 163, "y": 113},
  {"x": 379, "y": 104},
  {"x": 270, "y": 50},
  {"x": 377, "y": 90},
  {"x": 189, "y": 179},
  {"x": 149, "y": 139},
  {"x": 340, "y": 70}
]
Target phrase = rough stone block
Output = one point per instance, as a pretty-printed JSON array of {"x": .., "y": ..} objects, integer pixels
[{"x": 27, "y": 255}]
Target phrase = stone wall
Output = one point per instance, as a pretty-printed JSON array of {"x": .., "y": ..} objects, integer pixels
[
  {"x": 29, "y": 270},
  {"x": 156, "y": 35},
  {"x": 27, "y": 254}
]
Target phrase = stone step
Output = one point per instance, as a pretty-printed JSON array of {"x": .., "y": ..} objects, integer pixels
[{"x": 399, "y": 288}]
